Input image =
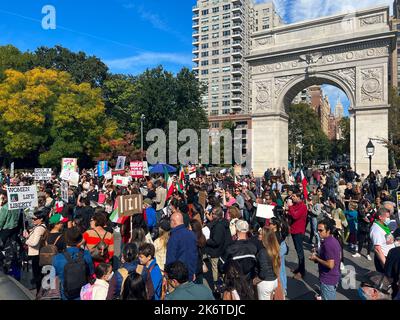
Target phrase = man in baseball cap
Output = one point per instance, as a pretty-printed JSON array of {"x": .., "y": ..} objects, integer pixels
[{"x": 375, "y": 286}]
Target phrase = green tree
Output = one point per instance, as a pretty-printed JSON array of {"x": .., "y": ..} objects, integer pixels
[
  {"x": 305, "y": 123},
  {"x": 82, "y": 68},
  {"x": 12, "y": 58},
  {"x": 44, "y": 111}
]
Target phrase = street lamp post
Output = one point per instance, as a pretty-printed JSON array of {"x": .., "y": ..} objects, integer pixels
[
  {"x": 142, "y": 118},
  {"x": 370, "y": 152}
]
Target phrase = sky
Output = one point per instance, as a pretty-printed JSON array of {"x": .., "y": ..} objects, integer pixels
[{"x": 132, "y": 35}]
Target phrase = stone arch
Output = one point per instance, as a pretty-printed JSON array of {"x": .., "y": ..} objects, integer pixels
[{"x": 303, "y": 81}]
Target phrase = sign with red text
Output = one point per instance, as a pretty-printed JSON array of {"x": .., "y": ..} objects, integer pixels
[{"x": 137, "y": 169}]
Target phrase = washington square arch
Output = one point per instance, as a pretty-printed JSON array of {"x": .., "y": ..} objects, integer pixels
[{"x": 349, "y": 51}]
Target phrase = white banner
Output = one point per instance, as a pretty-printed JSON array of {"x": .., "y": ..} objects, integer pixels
[
  {"x": 265, "y": 211},
  {"x": 121, "y": 181},
  {"x": 22, "y": 197},
  {"x": 72, "y": 177},
  {"x": 42, "y": 174}
]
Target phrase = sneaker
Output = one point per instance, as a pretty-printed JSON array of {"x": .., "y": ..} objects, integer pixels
[
  {"x": 343, "y": 269},
  {"x": 369, "y": 258},
  {"x": 356, "y": 255}
]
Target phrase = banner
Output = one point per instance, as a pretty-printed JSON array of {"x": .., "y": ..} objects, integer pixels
[
  {"x": 120, "y": 163},
  {"x": 130, "y": 205},
  {"x": 102, "y": 168},
  {"x": 121, "y": 181},
  {"x": 22, "y": 197},
  {"x": 146, "y": 172},
  {"x": 12, "y": 170},
  {"x": 69, "y": 164},
  {"x": 42, "y": 174},
  {"x": 136, "y": 168},
  {"x": 64, "y": 191}
]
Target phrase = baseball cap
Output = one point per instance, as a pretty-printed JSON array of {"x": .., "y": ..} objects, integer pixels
[
  {"x": 242, "y": 226},
  {"x": 377, "y": 281},
  {"x": 57, "y": 218}
]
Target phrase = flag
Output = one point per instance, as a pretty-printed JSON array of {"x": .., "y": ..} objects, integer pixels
[
  {"x": 304, "y": 184},
  {"x": 170, "y": 184},
  {"x": 114, "y": 217},
  {"x": 181, "y": 180}
]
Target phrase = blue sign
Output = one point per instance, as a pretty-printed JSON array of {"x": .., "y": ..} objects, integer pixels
[{"x": 102, "y": 168}]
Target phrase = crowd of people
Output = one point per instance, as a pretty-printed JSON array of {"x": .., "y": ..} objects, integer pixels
[{"x": 205, "y": 241}]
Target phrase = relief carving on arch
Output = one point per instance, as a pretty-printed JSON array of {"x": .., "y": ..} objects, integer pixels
[
  {"x": 280, "y": 83},
  {"x": 263, "y": 95},
  {"x": 372, "y": 85},
  {"x": 348, "y": 76}
]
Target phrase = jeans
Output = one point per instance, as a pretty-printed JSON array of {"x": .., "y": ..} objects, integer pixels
[
  {"x": 282, "y": 275},
  {"x": 298, "y": 245},
  {"x": 328, "y": 292},
  {"x": 314, "y": 230}
]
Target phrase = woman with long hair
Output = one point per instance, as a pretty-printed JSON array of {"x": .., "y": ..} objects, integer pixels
[
  {"x": 269, "y": 263},
  {"x": 196, "y": 227},
  {"x": 236, "y": 285},
  {"x": 134, "y": 288},
  {"x": 160, "y": 244}
]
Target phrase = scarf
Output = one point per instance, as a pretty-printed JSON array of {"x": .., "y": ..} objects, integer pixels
[{"x": 384, "y": 227}]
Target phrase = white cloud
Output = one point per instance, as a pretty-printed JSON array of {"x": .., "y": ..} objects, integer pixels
[
  {"x": 149, "y": 59},
  {"x": 300, "y": 10}
]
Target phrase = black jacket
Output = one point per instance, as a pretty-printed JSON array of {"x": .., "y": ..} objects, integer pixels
[
  {"x": 220, "y": 238},
  {"x": 265, "y": 267},
  {"x": 244, "y": 252}
]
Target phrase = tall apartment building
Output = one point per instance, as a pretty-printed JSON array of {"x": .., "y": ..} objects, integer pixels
[
  {"x": 394, "y": 74},
  {"x": 221, "y": 40},
  {"x": 302, "y": 97}
]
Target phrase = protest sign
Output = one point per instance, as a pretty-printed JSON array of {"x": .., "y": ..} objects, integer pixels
[
  {"x": 12, "y": 170},
  {"x": 69, "y": 164},
  {"x": 120, "y": 163},
  {"x": 72, "y": 177},
  {"x": 102, "y": 168},
  {"x": 121, "y": 181},
  {"x": 64, "y": 191},
  {"x": 265, "y": 211},
  {"x": 146, "y": 172},
  {"x": 108, "y": 175},
  {"x": 42, "y": 174},
  {"x": 136, "y": 168},
  {"x": 130, "y": 205},
  {"x": 22, "y": 197}
]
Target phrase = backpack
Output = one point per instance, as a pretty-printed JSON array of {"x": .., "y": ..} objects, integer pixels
[
  {"x": 100, "y": 250},
  {"x": 47, "y": 252},
  {"x": 75, "y": 275},
  {"x": 87, "y": 292}
]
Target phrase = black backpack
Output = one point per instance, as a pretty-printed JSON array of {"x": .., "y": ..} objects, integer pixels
[{"x": 75, "y": 275}]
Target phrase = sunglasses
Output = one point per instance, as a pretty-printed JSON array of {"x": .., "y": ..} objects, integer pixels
[{"x": 321, "y": 230}]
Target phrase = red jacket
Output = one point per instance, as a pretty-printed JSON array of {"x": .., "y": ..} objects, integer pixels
[{"x": 298, "y": 212}]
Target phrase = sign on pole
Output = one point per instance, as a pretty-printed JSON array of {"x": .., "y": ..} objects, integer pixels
[
  {"x": 22, "y": 197},
  {"x": 102, "y": 168},
  {"x": 64, "y": 191},
  {"x": 136, "y": 168},
  {"x": 130, "y": 205},
  {"x": 42, "y": 174},
  {"x": 121, "y": 181},
  {"x": 120, "y": 163},
  {"x": 12, "y": 170},
  {"x": 72, "y": 177}
]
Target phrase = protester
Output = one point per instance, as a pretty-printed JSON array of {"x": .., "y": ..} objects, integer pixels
[
  {"x": 160, "y": 244},
  {"x": 237, "y": 287},
  {"x": 98, "y": 288},
  {"x": 134, "y": 288},
  {"x": 178, "y": 275}
]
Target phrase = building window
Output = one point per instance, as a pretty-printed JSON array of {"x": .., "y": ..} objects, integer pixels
[
  {"x": 204, "y": 54},
  {"x": 204, "y": 46},
  {"x": 225, "y": 111},
  {"x": 226, "y": 79},
  {"x": 215, "y": 61},
  {"x": 226, "y": 60},
  {"x": 204, "y": 12},
  {"x": 215, "y": 10},
  {"x": 226, "y": 42},
  {"x": 204, "y": 37},
  {"x": 215, "y": 18},
  {"x": 226, "y": 16},
  {"x": 226, "y": 103},
  {"x": 204, "y": 29},
  {"x": 226, "y": 25},
  {"x": 214, "y": 112},
  {"x": 215, "y": 125},
  {"x": 215, "y": 44},
  {"x": 215, "y": 52},
  {"x": 204, "y": 72},
  {"x": 204, "y": 63},
  {"x": 214, "y": 105},
  {"x": 215, "y": 35},
  {"x": 226, "y": 33},
  {"x": 215, "y": 27},
  {"x": 226, "y": 7},
  {"x": 226, "y": 86},
  {"x": 226, "y": 51},
  {"x": 226, "y": 69},
  {"x": 215, "y": 70}
]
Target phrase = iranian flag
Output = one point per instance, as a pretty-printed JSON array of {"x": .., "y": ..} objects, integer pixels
[
  {"x": 181, "y": 180},
  {"x": 304, "y": 184},
  {"x": 170, "y": 184}
]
